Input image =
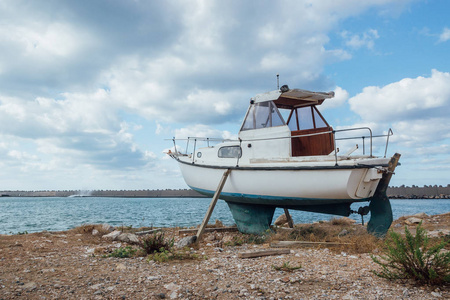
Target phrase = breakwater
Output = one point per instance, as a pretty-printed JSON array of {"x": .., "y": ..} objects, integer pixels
[
  {"x": 168, "y": 193},
  {"x": 401, "y": 192}
]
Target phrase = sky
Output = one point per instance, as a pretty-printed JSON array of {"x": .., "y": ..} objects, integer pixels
[{"x": 90, "y": 91}]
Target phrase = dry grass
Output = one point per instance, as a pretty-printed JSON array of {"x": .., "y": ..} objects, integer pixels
[
  {"x": 352, "y": 238},
  {"x": 342, "y": 221},
  {"x": 88, "y": 228}
]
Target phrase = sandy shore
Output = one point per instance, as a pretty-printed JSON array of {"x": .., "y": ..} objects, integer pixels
[{"x": 74, "y": 265}]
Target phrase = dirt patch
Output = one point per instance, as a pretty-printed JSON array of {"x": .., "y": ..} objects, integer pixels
[{"x": 76, "y": 264}]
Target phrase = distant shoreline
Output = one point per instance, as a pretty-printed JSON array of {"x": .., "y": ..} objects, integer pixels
[{"x": 401, "y": 192}]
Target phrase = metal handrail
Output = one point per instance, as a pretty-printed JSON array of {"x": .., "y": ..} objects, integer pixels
[{"x": 371, "y": 136}]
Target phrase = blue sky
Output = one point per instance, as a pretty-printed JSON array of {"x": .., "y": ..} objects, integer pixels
[{"x": 90, "y": 90}]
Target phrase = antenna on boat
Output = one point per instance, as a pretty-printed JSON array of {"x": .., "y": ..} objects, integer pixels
[{"x": 278, "y": 81}]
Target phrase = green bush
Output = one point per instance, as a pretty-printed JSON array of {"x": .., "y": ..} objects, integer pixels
[{"x": 412, "y": 257}]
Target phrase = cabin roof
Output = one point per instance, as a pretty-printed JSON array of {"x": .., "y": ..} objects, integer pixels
[{"x": 293, "y": 98}]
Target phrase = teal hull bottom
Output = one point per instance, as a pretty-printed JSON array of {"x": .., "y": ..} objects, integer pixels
[{"x": 253, "y": 214}]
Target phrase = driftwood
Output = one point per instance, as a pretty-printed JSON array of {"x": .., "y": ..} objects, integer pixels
[
  {"x": 260, "y": 253},
  {"x": 282, "y": 244},
  {"x": 218, "y": 229}
]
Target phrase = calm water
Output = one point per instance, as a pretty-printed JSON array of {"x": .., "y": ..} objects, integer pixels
[{"x": 54, "y": 214}]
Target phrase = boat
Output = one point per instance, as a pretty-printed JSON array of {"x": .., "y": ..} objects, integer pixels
[{"x": 288, "y": 156}]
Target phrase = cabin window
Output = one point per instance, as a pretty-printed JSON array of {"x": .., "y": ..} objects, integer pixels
[
  {"x": 262, "y": 115},
  {"x": 230, "y": 152},
  {"x": 304, "y": 118}
]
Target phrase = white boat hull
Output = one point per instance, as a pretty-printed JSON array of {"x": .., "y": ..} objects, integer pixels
[{"x": 284, "y": 187}]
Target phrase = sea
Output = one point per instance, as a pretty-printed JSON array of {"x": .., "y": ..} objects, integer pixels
[{"x": 34, "y": 214}]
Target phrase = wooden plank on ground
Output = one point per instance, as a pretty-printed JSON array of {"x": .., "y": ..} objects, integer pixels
[
  {"x": 260, "y": 253},
  {"x": 208, "y": 229},
  {"x": 282, "y": 244},
  {"x": 147, "y": 231}
]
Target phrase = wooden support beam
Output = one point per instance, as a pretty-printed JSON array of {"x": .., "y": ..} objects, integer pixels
[
  {"x": 213, "y": 203},
  {"x": 208, "y": 229},
  {"x": 289, "y": 218},
  {"x": 260, "y": 253}
]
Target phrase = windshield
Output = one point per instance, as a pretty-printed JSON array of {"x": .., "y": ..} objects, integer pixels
[{"x": 262, "y": 115}]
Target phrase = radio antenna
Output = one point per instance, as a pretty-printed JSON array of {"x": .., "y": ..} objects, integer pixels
[{"x": 278, "y": 81}]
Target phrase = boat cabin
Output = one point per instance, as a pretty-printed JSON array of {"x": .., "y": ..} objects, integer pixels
[{"x": 296, "y": 109}]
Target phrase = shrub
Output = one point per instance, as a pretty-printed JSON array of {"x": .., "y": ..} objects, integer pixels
[
  {"x": 412, "y": 257},
  {"x": 126, "y": 252},
  {"x": 286, "y": 266},
  {"x": 156, "y": 242}
]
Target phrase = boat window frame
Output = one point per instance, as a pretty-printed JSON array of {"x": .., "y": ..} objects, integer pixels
[
  {"x": 232, "y": 154},
  {"x": 313, "y": 112}
]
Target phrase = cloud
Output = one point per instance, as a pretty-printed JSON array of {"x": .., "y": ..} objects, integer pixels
[
  {"x": 367, "y": 39},
  {"x": 409, "y": 98},
  {"x": 416, "y": 108},
  {"x": 340, "y": 97},
  {"x": 445, "y": 35}
]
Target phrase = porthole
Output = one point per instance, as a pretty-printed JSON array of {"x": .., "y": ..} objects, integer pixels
[{"x": 199, "y": 154}]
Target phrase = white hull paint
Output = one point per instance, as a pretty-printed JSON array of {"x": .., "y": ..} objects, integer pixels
[{"x": 316, "y": 186}]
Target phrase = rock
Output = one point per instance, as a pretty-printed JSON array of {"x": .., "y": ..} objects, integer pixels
[
  {"x": 186, "y": 241},
  {"x": 95, "y": 232},
  {"x": 421, "y": 215},
  {"x": 121, "y": 267},
  {"x": 343, "y": 232},
  {"x": 281, "y": 220},
  {"x": 107, "y": 227},
  {"x": 172, "y": 287},
  {"x": 436, "y": 295},
  {"x": 161, "y": 296},
  {"x": 413, "y": 221},
  {"x": 112, "y": 236},
  {"x": 128, "y": 238},
  {"x": 30, "y": 286}
]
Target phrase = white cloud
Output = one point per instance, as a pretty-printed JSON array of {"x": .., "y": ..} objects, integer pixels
[
  {"x": 367, "y": 39},
  {"x": 445, "y": 35},
  {"x": 416, "y": 108},
  {"x": 340, "y": 97},
  {"x": 202, "y": 131},
  {"x": 407, "y": 99}
]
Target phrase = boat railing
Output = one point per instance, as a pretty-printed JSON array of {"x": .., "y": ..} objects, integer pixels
[{"x": 370, "y": 136}]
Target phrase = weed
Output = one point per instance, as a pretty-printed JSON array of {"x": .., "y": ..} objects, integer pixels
[
  {"x": 412, "y": 257},
  {"x": 156, "y": 242},
  {"x": 126, "y": 252},
  {"x": 286, "y": 267},
  {"x": 241, "y": 239},
  {"x": 309, "y": 233}
]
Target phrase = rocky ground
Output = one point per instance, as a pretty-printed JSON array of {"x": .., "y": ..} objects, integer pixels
[{"x": 75, "y": 264}]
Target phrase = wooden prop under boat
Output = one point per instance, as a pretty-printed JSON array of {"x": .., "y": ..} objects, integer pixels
[{"x": 287, "y": 156}]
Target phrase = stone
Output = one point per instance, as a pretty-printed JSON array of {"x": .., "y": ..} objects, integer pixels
[
  {"x": 129, "y": 238},
  {"x": 112, "y": 236},
  {"x": 30, "y": 286},
  {"x": 413, "y": 221},
  {"x": 343, "y": 232},
  {"x": 107, "y": 227},
  {"x": 421, "y": 215},
  {"x": 281, "y": 220},
  {"x": 186, "y": 241}
]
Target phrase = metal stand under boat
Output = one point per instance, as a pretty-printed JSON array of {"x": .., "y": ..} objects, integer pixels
[{"x": 380, "y": 207}]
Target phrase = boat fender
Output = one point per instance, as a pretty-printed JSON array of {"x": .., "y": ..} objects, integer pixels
[{"x": 284, "y": 88}]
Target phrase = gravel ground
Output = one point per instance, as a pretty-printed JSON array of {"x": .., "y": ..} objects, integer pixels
[{"x": 70, "y": 265}]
